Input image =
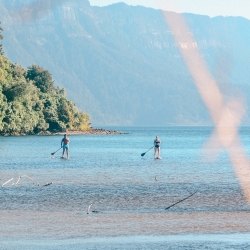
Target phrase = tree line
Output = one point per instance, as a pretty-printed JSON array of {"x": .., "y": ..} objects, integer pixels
[{"x": 31, "y": 104}]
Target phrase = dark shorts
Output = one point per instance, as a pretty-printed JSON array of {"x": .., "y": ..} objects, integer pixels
[{"x": 157, "y": 146}]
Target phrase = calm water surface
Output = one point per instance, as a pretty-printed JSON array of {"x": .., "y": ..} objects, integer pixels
[{"x": 128, "y": 192}]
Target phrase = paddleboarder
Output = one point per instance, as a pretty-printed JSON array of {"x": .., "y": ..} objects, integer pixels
[
  {"x": 65, "y": 145},
  {"x": 157, "y": 143}
]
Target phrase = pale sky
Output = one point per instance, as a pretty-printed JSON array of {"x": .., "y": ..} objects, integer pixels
[{"x": 205, "y": 7}]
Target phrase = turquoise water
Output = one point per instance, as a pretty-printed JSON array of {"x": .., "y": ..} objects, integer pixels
[{"x": 128, "y": 193}]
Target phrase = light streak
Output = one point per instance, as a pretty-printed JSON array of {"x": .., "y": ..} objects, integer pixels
[{"x": 226, "y": 115}]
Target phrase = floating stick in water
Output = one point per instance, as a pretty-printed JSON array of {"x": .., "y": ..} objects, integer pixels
[
  {"x": 26, "y": 177},
  {"x": 18, "y": 180},
  {"x": 89, "y": 208},
  {"x": 47, "y": 184},
  {"x": 181, "y": 200},
  {"x": 7, "y": 182}
]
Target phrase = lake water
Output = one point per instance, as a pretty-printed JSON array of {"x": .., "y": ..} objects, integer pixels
[{"x": 129, "y": 193}]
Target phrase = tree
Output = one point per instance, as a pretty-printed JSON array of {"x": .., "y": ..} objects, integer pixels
[
  {"x": 29, "y": 102},
  {"x": 41, "y": 78},
  {"x": 1, "y": 38},
  {"x": 16, "y": 90}
]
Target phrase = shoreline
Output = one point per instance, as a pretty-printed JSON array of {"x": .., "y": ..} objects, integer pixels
[{"x": 90, "y": 131}]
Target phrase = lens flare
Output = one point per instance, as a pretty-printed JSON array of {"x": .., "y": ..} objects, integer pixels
[{"x": 225, "y": 114}]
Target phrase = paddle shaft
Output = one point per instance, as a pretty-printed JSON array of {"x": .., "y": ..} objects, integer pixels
[
  {"x": 56, "y": 151},
  {"x": 146, "y": 152}
]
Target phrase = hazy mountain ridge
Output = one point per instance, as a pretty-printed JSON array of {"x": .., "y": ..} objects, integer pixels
[{"x": 120, "y": 63}]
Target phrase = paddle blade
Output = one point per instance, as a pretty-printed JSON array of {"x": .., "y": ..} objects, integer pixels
[
  {"x": 55, "y": 151},
  {"x": 143, "y": 154}
]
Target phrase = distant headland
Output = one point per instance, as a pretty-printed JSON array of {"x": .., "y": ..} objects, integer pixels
[
  {"x": 30, "y": 104},
  {"x": 93, "y": 131}
]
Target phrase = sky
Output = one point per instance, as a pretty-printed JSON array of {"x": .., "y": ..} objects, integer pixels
[{"x": 204, "y": 7}]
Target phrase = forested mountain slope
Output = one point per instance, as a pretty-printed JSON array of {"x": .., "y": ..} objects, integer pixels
[{"x": 120, "y": 63}]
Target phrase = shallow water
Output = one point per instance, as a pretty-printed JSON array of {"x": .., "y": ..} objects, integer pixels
[{"x": 129, "y": 192}]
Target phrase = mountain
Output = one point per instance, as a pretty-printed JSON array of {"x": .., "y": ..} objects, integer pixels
[{"x": 120, "y": 63}]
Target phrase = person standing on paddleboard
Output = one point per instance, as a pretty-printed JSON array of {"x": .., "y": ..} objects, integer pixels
[
  {"x": 65, "y": 145},
  {"x": 157, "y": 143}
]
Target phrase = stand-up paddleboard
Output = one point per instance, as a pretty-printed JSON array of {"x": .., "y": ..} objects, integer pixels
[
  {"x": 158, "y": 158},
  {"x": 64, "y": 158}
]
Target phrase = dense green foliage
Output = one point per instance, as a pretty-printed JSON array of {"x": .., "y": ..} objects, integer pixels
[
  {"x": 29, "y": 102},
  {"x": 1, "y": 38}
]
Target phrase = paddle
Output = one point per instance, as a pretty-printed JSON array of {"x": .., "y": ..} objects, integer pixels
[
  {"x": 56, "y": 151},
  {"x": 145, "y": 152}
]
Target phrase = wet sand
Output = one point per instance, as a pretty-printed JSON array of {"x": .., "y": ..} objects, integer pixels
[{"x": 80, "y": 224}]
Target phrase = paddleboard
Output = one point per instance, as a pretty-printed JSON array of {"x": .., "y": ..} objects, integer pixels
[
  {"x": 64, "y": 158},
  {"x": 158, "y": 158}
]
